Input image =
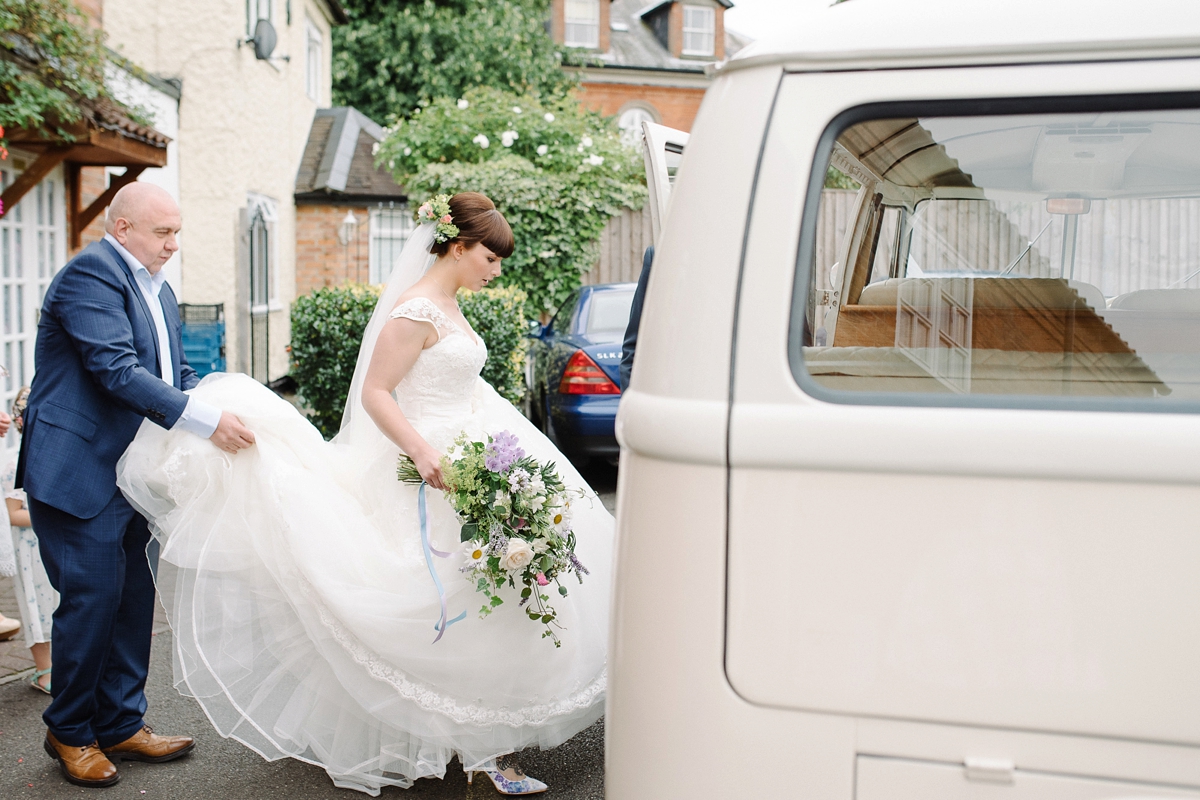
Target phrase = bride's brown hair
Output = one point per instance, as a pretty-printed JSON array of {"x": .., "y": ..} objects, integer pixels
[{"x": 478, "y": 222}]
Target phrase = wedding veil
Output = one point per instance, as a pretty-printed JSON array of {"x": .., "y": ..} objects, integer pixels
[{"x": 358, "y": 428}]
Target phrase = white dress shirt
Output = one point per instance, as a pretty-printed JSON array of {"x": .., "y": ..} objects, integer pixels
[{"x": 198, "y": 417}]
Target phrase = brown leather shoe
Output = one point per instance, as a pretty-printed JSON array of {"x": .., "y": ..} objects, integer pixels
[
  {"x": 148, "y": 746},
  {"x": 82, "y": 766}
]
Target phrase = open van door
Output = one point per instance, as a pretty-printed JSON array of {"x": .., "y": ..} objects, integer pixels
[{"x": 663, "y": 150}]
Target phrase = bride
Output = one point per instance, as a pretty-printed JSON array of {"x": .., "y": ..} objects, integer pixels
[{"x": 303, "y": 609}]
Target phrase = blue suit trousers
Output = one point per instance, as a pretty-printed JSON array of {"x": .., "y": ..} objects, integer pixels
[{"x": 103, "y": 623}]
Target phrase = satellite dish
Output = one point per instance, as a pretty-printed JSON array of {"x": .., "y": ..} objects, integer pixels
[{"x": 264, "y": 40}]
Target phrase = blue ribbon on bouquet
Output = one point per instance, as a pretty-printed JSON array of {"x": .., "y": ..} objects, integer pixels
[{"x": 430, "y": 552}]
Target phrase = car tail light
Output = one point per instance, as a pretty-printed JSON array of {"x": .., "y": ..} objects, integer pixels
[{"x": 584, "y": 376}]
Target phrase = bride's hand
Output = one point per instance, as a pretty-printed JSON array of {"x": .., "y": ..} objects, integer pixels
[{"x": 429, "y": 464}]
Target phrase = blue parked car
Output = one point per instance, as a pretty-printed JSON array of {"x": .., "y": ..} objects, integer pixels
[{"x": 572, "y": 371}]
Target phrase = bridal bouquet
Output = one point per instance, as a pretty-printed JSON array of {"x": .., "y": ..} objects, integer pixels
[{"x": 516, "y": 516}]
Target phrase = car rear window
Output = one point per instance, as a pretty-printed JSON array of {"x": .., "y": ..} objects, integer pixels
[
  {"x": 1030, "y": 259},
  {"x": 609, "y": 312}
]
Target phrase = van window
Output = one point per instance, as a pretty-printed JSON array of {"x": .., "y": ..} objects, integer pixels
[{"x": 1038, "y": 259}]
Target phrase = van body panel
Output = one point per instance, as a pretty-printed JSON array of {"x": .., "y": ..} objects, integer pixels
[
  {"x": 997, "y": 567},
  {"x": 898, "y": 34},
  {"x": 1027, "y": 604},
  {"x": 1113, "y": 759},
  {"x": 881, "y": 579},
  {"x": 877, "y": 777},
  {"x": 670, "y": 708},
  {"x": 688, "y": 314}
]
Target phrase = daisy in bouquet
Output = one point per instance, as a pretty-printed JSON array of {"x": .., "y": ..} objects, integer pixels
[{"x": 516, "y": 522}]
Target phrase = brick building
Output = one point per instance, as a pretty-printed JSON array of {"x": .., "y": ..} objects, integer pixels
[
  {"x": 646, "y": 62},
  {"x": 351, "y": 218}
]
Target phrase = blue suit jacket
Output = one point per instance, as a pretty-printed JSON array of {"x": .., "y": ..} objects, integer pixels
[
  {"x": 98, "y": 376},
  {"x": 629, "y": 346}
]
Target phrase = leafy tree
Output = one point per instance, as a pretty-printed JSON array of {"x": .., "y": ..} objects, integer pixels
[
  {"x": 394, "y": 54},
  {"x": 51, "y": 65},
  {"x": 555, "y": 170}
]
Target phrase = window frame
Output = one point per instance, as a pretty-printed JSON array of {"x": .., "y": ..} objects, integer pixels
[
  {"x": 314, "y": 42},
  {"x": 966, "y": 107},
  {"x": 374, "y": 234},
  {"x": 253, "y": 14},
  {"x": 33, "y": 248},
  {"x": 569, "y": 23},
  {"x": 256, "y": 206},
  {"x": 710, "y": 31}
]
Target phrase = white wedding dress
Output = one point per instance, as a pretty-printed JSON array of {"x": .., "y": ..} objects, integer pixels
[{"x": 302, "y": 607}]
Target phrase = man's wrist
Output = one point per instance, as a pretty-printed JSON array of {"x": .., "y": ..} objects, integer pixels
[{"x": 199, "y": 418}]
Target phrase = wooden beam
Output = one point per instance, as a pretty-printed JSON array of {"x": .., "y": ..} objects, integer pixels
[
  {"x": 32, "y": 176},
  {"x": 74, "y": 201},
  {"x": 84, "y": 218}
]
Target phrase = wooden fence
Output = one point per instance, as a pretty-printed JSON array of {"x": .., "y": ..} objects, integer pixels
[{"x": 622, "y": 246}]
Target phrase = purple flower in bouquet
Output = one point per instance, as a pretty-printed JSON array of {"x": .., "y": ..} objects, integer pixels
[{"x": 502, "y": 452}]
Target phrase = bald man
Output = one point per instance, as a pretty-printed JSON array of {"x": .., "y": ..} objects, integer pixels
[{"x": 108, "y": 356}]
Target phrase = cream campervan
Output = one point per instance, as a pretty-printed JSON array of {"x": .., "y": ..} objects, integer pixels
[{"x": 910, "y": 482}]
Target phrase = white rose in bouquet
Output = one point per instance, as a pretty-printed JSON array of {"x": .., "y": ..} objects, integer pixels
[{"x": 518, "y": 555}]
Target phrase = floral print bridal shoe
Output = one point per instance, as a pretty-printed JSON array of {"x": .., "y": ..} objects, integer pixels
[{"x": 511, "y": 781}]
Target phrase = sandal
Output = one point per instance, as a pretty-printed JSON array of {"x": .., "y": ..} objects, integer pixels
[{"x": 38, "y": 674}]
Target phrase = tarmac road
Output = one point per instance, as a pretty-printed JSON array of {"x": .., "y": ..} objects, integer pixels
[{"x": 221, "y": 769}]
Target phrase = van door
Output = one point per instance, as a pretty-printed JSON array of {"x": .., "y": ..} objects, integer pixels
[
  {"x": 974, "y": 502},
  {"x": 663, "y": 150}
]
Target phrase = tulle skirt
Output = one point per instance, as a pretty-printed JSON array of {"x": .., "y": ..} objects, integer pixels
[{"x": 304, "y": 612}]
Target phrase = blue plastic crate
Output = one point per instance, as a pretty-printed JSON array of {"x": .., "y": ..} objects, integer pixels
[{"x": 204, "y": 337}]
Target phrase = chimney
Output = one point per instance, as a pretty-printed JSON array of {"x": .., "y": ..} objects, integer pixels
[
  {"x": 675, "y": 29},
  {"x": 558, "y": 21}
]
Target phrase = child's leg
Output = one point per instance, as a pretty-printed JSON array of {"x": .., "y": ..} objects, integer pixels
[{"x": 41, "y": 659}]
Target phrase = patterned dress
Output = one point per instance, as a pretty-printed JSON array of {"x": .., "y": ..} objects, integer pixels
[{"x": 36, "y": 598}]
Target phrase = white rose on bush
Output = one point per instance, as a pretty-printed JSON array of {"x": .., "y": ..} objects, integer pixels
[{"x": 518, "y": 555}]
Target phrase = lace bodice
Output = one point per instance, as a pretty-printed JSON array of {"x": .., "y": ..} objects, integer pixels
[{"x": 442, "y": 381}]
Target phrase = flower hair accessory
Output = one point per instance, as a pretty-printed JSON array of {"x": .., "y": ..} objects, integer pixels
[{"x": 437, "y": 211}]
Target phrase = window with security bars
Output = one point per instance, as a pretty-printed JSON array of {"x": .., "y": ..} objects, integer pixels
[
  {"x": 582, "y": 28},
  {"x": 32, "y": 249},
  {"x": 390, "y": 228},
  {"x": 699, "y": 31}
]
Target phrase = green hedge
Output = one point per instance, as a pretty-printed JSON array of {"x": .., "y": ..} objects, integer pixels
[
  {"x": 327, "y": 328},
  {"x": 497, "y": 314}
]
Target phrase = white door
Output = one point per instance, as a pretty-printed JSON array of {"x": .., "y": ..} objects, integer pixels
[{"x": 663, "y": 150}]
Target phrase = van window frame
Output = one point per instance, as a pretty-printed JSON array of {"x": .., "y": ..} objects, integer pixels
[{"x": 966, "y": 107}]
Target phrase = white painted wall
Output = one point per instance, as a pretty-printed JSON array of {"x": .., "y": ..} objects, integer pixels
[
  {"x": 243, "y": 124},
  {"x": 164, "y": 109}
]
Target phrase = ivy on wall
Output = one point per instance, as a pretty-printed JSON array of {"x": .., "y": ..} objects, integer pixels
[{"x": 51, "y": 62}]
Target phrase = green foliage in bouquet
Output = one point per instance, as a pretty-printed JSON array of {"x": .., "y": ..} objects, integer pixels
[
  {"x": 516, "y": 515},
  {"x": 327, "y": 329},
  {"x": 555, "y": 170},
  {"x": 498, "y": 315}
]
